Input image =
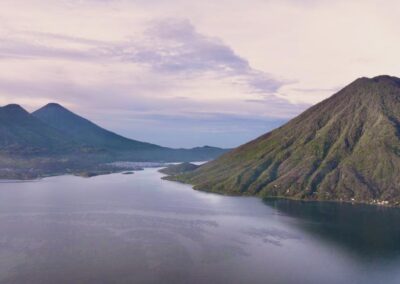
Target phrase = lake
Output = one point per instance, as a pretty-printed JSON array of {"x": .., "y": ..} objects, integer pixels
[{"x": 142, "y": 229}]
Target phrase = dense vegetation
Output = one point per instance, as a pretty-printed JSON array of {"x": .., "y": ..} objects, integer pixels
[
  {"x": 53, "y": 140},
  {"x": 179, "y": 168},
  {"x": 86, "y": 132},
  {"x": 344, "y": 148}
]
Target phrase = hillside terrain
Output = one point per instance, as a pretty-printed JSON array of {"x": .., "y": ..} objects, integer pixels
[
  {"x": 179, "y": 168},
  {"x": 23, "y": 134},
  {"x": 86, "y": 132},
  {"x": 346, "y": 148},
  {"x": 54, "y": 140}
]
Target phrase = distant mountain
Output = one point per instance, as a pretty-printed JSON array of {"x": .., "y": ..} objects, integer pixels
[
  {"x": 86, "y": 132},
  {"x": 344, "y": 148},
  {"x": 54, "y": 140},
  {"x": 23, "y": 134},
  {"x": 179, "y": 168}
]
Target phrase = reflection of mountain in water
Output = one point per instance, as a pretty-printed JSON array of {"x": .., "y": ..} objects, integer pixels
[{"x": 365, "y": 230}]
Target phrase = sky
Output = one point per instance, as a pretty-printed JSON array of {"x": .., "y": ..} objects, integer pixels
[{"x": 185, "y": 73}]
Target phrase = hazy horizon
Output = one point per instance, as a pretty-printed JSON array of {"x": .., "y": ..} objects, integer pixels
[
  {"x": 184, "y": 74},
  {"x": 149, "y": 135}
]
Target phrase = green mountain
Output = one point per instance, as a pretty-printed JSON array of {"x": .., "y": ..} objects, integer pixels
[
  {"x": 53, "y": 140},
  {"x": 86, "y": 132},
  {"x": 23, "y": 134},
  {"x": 113, "y": 146},
  {"x": 179, "y": 168},
  {"x": 346, "y": 148}
]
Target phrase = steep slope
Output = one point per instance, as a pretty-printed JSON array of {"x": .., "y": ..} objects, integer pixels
[
  {"x": 56, "y": 141},
  {"x": 23, "y": 134},
  {"x": 114, "y": 146},
  {"x": 344, "y": 148},
  {"x": 179, "y": 168},
  {"x": 85, "y": 131}
]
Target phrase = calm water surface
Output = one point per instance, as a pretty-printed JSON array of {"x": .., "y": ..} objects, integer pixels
[{"x": 141, "y": 229}]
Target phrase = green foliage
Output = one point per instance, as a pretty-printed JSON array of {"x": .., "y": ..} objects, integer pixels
[
  {"x": 54, "y": 140},
  {"x": 179, "y": 168},
  {"x": 345, "y": 148}
]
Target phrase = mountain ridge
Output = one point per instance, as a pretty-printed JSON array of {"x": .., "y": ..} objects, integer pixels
[
  {"x": 343, "y": 148},
  {"x": 86, "y": 132},
  {"x": 54, "y": 140},
  {"x": 21, "y": 133}
]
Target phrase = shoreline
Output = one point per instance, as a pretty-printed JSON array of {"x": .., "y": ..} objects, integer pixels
[{"x": 353, "y": 202}]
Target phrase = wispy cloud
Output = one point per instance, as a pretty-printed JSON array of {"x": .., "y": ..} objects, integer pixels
[
  {"x": 169, "y": 59},
  {"x": 175, "y": 46},
  {"x": 169, "y": 46},
  {"x": 40, "y": 45},
  {"x": 249, "y": 61}
]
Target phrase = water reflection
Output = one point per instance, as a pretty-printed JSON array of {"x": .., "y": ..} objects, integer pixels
[
  {"x": 367, "y": 231},
  {"x": 141, "y": 229}
]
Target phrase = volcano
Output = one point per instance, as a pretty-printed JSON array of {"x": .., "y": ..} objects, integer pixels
[{"x": 345, "y": 148}]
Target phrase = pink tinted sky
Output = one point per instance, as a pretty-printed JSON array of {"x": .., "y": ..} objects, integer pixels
[{"x": 186, "y": 73}]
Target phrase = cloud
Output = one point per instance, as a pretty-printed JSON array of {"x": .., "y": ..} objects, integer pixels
[
  {"x": 114, "y": 59},
  {"x": 155, "y": 79},
  {"x": 174, "y": 46},
  {"x": 40, "y": 45},
  {"x": 18, "y": 49},
  {"x": 169, "y": 46}
]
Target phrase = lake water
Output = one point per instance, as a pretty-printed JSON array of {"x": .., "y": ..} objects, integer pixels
[{"x": 141, "y": 229}]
